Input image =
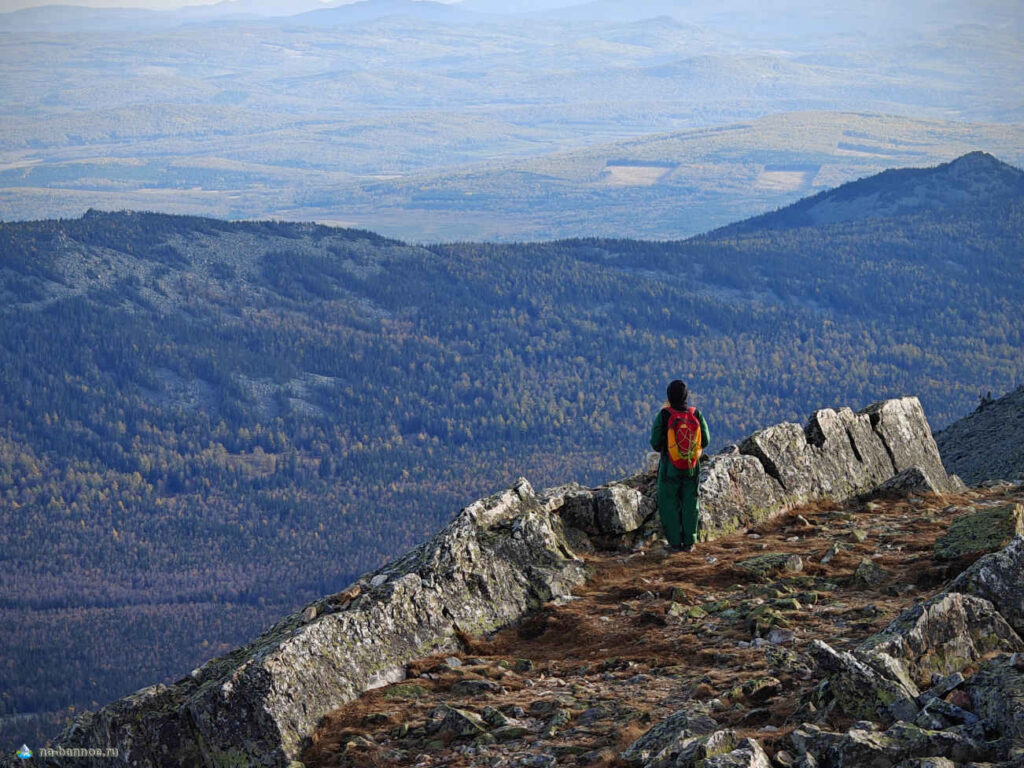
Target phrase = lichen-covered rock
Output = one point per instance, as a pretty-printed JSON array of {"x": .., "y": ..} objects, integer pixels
[
  {"x": 669, "y": 736},
  {"x": 942, "y": 636},
  {"x": 861, "y": 691},
  {"x": 997, "y": 578},
  {"x": 748, "y": 754},
  {"x": 500, "y": 558},
  {"x": 763, "y": 566},
  {"x": 863, "y": 748},
  {"x": 619, "y": 509},
  {"x": 691, "y": 751},
  {"x": 870, "y": 574},
  {"x": 461, "y": 724},
  {"x": 983, "y": 531}
]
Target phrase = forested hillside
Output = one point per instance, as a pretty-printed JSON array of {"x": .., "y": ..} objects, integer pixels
[{"x": 204, "y": 424}]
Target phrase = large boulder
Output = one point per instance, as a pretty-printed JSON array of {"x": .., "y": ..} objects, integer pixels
[
  {"x": 862, "y": 747},
  {"x": 863, "y": 691},
  {"x": 501, "y": 557},
  {"x": 687, "y": 732},
  {"x": 942, "y": 636}
]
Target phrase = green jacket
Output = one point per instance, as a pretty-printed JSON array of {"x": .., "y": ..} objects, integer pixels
[{"x": 666, "y": 469}]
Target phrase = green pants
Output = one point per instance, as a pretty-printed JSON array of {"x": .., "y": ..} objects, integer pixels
[{"x": 679, "y": 508}]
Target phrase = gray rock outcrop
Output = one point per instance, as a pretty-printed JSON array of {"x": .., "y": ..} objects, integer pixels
[
  {"x": 987, "y": 444},
  {"x": 838, "y": 455},
  {"x": 501, "y": 558}
]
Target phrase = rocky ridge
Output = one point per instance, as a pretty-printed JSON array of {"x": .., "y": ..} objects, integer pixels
[
  {"x": 501, "y": 559},
  {"x": 987, "y": 445}
]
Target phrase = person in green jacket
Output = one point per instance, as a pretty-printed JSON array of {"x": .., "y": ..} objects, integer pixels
[{"x": 678, "y": 489}]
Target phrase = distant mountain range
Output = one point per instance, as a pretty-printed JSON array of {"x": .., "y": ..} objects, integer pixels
[
  {"x": 429, "y": 121},
  {"x": 212, "y": 422}
]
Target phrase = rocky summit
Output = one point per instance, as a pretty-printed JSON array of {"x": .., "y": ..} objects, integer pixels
[{"x": 810, "y": 627}]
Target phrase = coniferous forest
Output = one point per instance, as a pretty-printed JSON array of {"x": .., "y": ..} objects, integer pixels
[{"x": 205, "y": 424}]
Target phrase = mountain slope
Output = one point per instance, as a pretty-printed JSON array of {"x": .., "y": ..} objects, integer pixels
[
  {"x": 987, "y": 444},
  {"x": 213, "y": 421}
]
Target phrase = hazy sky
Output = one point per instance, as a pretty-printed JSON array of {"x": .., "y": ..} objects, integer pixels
[{"x": 157, "y": 5}]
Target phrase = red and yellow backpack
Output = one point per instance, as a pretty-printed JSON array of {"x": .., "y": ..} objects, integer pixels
[{"x": 683, "y": 437}]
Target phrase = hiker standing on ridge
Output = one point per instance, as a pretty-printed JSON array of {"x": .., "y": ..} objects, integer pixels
[{"x": 680, "y": 435}]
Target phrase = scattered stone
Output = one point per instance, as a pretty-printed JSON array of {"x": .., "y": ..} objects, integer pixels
[
  {"x": 758, "y": 690},
  {"x": 749, "y": 754},
  {"x": 522, "y": 665},
  {"x": 494, "y": 717},
  {"x": 461, "y": 723},
  {"x": 475, "y": 688},
  {"x": 676, "y": 609},
  {"x": 510, "y": 732},
  {"x": 594, "y": 714},
  {"x": 670, "y": 733},
  {"x": 834, "y": 550},
  {"x": 870, "y": 574},
  {"x": 559, "y": 719},
  {"x": 763, "y": 566},
  {"x": 860, "y": 535},
  {"x": 762, "y": 620},
  {"x": 405, "y": 691},
  {"x": 781, "y": 636},
  {"x": 309, "y": 613},
  {"x": 453, "y": 662},
  {"x": 542, "y": 706}
]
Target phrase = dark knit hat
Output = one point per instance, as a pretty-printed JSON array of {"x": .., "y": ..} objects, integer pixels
[{"x": 677, "y": 394}]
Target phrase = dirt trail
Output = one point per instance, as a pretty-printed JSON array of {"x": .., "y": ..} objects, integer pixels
[{"x": 651, "y": 633}]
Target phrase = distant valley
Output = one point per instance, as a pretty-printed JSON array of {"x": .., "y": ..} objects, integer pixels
[{"x": 430, "y": 122}]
